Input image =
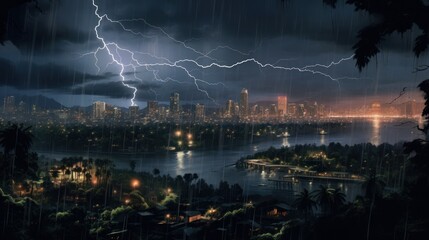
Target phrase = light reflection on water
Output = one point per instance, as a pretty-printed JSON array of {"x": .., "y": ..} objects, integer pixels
[
  {"x": 322, "y": 140},
  {"x": 375, "y": 133},
  {"x": 285, "y": 142},
  {"x": 180, "y": 158},
  {"x": 216, "y": 165}
]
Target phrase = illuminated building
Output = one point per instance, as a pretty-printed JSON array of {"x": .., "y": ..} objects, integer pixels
[
  {"x": 272, "y": 110},
  {"x": 199, "y": 112},
  {"x": 134, "y": 112},
  {"x": 244, "y": 103},
  {"x": 9, "y": 104},
  {"x": 22, "y": 107},
  {"x": 229, "y": 108},
  {"x": 282, "y": 105},
  {"x": 375, "y": 108},
  {"x": 174, "y": 103},
  {"x": 152, "y": 108},
  {"x": 98, "y": 110},
  {"x": 292, "y": 109},
  {"x": 116, "y": 113}
]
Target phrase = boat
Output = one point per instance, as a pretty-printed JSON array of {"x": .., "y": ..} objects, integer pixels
[
  {"x": 283, "y": 134},
  {"x": 323, "y": 132}
]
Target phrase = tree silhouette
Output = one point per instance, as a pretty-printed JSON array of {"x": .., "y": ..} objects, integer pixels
[
  {"x": 5, "y": 7},
  {"x": 16, "y": 138},
  {"x": 305, "y": 203},
  {"x": 156, "y": 172},
  {"x": 338, "y": 200},
  {"x": 324, "y": 198},
  {"x": 393, "y": 16},
  {"x": 373, "y": 187},
  {"x": 17, "y": 162},
  {"x": 133, "y": 165},
  {"x": 399, "y": 16}
]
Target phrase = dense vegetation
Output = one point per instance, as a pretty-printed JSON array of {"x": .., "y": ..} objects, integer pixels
[
  {"x": 157, "y": 137},
  {"x": 366, "y": 159}
]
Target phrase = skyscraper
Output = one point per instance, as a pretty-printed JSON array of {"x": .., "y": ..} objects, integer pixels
[
  {"x": 292, "y": 109},
  {"x": 134, "y": 112},
  {"x": 229, "y": 108},
  {"x": 199, "y": 112},
  {"x": 244, "y": 103},
  {"x": 98, "y": 110},
  {"x": 272, "y": 110},
  {"x": 9, "y": 104},
  {"x": 174, "y": 103},
  {"x": 152, "y": 108},
  {"x": 116, "y": 113},
  {"x": 282, "y": 105}
]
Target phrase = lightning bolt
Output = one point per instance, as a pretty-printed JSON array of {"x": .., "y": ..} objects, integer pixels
[{"x": 116, "y": 53}]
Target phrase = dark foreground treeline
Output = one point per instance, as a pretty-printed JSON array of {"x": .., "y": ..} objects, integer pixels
[{"x": 78, "y": 198}]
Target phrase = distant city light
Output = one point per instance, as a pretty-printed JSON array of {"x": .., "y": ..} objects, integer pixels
[{"x": 135, "y": 183}]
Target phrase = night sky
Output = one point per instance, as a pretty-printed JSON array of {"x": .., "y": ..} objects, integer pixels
[{"x": 49, "y": 53}]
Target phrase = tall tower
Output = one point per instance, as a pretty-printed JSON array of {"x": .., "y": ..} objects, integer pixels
[
  {"x": 282, "y": 105},
  {"x": 9, "y": 104},
  {"x": 134, "y": 112},
  {"x": 199, "y": 112},
  {"x": 229, "y": 108},
  {"x": 152, "y": 108},
  {"x": 244, "y": 103},
  {"x": 98, "y": 110},
  {"x": 174, "y": 103}
]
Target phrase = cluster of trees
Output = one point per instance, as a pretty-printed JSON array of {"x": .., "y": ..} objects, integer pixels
[
  {"x": 398, "y": 215},
  {"x": 365, "y": 158},
  {"x": 76, "y": 206},
  {"x": 82, "y": 170},
  {"x": 17, "y": 163},
  {"x": 156, "y": 137},
  {"x": 329, "y": 201}
]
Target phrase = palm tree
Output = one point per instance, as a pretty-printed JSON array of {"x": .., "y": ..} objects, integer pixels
[
  {"x": 133, "y": 165},
  {"x": 16, "y": 138},
  {"x": 16, "y": 141},
  {"x": 373, "y": 191},
  {"x": 194, "y": 177},
  {"x": 374, "y": 187},
  {"x": 324, "y": 198},
  {"x": 305, "y": 203},
  {"x": 156, "y": 171},
  {"x": 338, "y": 199},
  {"x": 68, "y": 172},
  {"x": 78, "y": 171},
  {"x": 55, "y": 174}
]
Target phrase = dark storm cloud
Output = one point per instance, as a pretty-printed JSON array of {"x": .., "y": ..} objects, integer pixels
[
  {"x": 248, "y": 22},
  {"x": 302, "y": 31},
  {"x": 242, "y": 19},
  {"x": 115, "y": 89},
  {"x": 47, "y": 28},
  {"x": 31, "y": 76}
]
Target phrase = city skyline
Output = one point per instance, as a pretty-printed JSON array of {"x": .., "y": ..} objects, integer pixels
[
  {"x": 241, "y": 111},
  {"x": 323, "y": 72},
  {"x": 214, "y": 119}
]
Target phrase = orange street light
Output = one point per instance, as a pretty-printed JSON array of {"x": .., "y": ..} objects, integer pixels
[{"x": 135, "y": 183}]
